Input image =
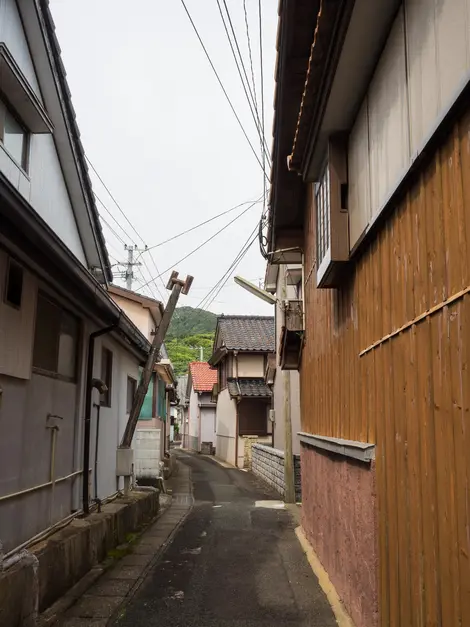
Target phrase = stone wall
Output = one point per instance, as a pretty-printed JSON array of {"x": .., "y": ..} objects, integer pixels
[{"x": 268, "y": 464}]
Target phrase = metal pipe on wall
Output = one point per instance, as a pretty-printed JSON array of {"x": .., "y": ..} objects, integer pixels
[
  {"x": 95, "y": 477},
  {"x": 87, "y": 430}
]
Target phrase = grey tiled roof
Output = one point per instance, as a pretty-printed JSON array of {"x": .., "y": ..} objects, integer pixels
[
  {"x": 248, "y": 333},
  {"x": 248, "y": 387}
]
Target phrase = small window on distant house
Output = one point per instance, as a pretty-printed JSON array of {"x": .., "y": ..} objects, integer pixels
[
  {"x": 14, "y": 284},
  {"x": 106, "y": 376},
  {"x": 13, "y": 136},
  {"x": 131, "y": 388},
  {"x": 55, "y": 340}
]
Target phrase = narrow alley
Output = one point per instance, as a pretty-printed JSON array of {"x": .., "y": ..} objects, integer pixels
[{"x": 231, "y": 564}]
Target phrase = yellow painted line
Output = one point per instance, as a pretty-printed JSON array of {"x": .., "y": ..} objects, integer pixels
[{"x": 342, "y": 617}]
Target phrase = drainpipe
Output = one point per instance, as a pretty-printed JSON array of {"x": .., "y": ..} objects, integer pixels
[
  {"x": 88, "y": 404},
  {"x": 97, "y": 439},
  {"x": 237, "y": 402}
]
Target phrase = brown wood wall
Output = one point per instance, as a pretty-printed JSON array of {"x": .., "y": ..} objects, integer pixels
[{"x": 410, "y": 394}]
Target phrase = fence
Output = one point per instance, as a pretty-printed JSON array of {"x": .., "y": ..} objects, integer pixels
[{"x": 268, "y": 464}]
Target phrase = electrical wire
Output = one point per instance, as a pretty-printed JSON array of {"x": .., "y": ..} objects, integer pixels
[
  {"x": 251, "y": 102},
  {"x": 222, "y": 86},
  {"x": 197, "y": 226},
  {"x": 230, "y": 272},
  {"x": 127, "y": 220},
  {"x": 205, "y": 302},
  {"x": 204, "y": 242}
]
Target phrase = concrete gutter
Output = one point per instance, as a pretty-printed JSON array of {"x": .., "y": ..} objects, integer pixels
[{"x": 342, "y": 617}]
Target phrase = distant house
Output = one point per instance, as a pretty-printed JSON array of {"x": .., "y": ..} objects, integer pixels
[
  {"x": 242, "y": 345},
  {"x": 152, "y": 435},
  {"x": 201, "y": 416},
  {"x": 182, "y": 407}
]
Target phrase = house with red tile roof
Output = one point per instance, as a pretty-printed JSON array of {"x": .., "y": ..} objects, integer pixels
[{"x": 200, "y": 432}]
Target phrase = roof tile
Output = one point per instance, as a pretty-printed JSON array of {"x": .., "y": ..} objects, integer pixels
[
  {"x": 248, "y": 333},
  {"x": 249, "y": 387},
  {"x": 203, "y": 376}
]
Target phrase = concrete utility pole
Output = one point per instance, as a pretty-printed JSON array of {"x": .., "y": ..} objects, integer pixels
[
  {"x": 129, "y": 273},
  {"x": 177, "y": 286},
  {"x": 201, "y": 353},
  {"x": 289, "y": 481}
]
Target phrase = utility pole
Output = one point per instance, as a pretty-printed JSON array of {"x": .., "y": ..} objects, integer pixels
[
  {"x": 177, "y": 287},
  {"x": 289, "y": 494},
  {"x": 129, "y": 272},
  {"x": 201, "y": 353}
]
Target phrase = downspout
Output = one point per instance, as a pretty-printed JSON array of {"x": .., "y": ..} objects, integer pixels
[
  {"x": 237, "y": 401},
  {"x": 97, "y": 439},
  {"x": 88, "y": 406}
]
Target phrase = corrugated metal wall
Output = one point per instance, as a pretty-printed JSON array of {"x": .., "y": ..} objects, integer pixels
[{"x": 409, "y": 393}]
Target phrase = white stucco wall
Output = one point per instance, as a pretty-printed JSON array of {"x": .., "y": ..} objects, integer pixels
[
  {"x": 44, "y": 186},
  {"x": 139, "y": 315},
  {"x": 226, "y": 425},
  {"x": 193, "y": 426},
  {"x": 250, "y": 366},
  {"x": 112, "y": 419}
]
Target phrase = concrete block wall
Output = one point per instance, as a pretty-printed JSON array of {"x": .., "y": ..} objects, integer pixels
[{"x": 268, "y": 464}]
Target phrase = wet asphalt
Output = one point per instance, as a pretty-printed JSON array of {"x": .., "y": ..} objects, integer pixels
[{"x": 230, "y": 564}]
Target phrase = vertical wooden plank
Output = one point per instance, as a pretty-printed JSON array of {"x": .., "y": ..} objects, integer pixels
[
  {"x": 444, "y": 470},
  {"x": 381, "y": 474},
  {"x": 427, "y": 473},
  {"x": 388, "y": 419},
  {"x": 458, "y": 319},
  {"x": 400, "y": 445},
  {"x": 413, "y": 429},
  {"x": 464, "y": 138}
]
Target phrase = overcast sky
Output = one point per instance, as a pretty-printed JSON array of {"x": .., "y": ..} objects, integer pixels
[{"x": 156, "y": 125}]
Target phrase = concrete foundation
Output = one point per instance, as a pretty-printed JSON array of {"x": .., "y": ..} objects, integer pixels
[
  {"x": 56, "y": 564},
  {"x": 339, "y": 518}
]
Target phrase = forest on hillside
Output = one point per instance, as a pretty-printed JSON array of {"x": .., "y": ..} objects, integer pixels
[{"x": 190, "y": 330}]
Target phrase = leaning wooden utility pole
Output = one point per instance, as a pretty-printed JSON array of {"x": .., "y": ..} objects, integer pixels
[
  {"x": 177, "y": 287},
  {"x": 289, "y": 481}
]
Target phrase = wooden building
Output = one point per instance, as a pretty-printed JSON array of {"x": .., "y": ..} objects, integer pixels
[{"x": 371, "y": 192}]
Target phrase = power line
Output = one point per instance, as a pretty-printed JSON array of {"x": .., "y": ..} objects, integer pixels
[
  {"x": 230, "y": 271},
  {"x": 114, "y": 200},
  {"x": 222, "y": 86},
  {"x": 204, "y": 303},
  {"x": 197, "y": 226},
  {"x": 204, "y": 242},
  {"x": 247, "y": 29},
  {"x": 127, "y": 220},
  {"x": 254, "y": 106},
  {"x": 262, "y": 93},
  {"x": 118, "y": 237}
]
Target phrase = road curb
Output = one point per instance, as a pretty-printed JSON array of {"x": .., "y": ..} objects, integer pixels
[{"x": 342, "y": 617}]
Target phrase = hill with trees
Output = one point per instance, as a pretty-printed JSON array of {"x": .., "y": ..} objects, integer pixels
[
  {"x": 190, "y": 321},
  {"x": 190, "y": 329}
]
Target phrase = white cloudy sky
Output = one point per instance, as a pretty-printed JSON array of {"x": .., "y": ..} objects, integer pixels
[{"x": 157, "y": 127}]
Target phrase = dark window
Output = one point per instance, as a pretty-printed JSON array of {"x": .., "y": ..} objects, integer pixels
[
  {"x": 55, "y": 340},
  {"x": 106, "y": 376},
  {"x": 14, "y": 284},
  {"x": 13, "y": 136},
  {"x": 131, "y": 388},
  {"x": 253, "y": 417}
]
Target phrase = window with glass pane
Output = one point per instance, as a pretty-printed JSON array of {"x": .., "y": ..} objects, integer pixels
[
  {"x": 55, "y": 340},
  {"x": 322, "y": 196},
  {"x": 12, "y": 135}
]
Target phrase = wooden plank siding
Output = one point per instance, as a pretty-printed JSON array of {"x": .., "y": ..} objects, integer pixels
[{"x": 409, "y": 394}]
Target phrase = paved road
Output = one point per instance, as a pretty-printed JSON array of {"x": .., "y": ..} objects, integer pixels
[{"x": 231, "y": 564}]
